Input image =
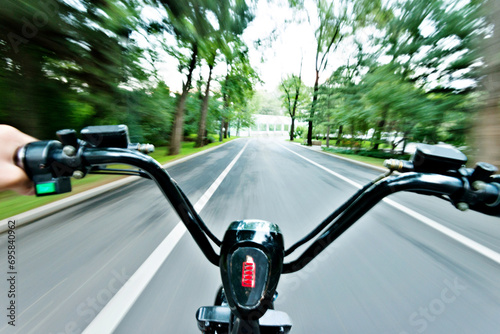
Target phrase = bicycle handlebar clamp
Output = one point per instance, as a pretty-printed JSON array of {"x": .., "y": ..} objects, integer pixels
[{"x": 48, "y": 174}]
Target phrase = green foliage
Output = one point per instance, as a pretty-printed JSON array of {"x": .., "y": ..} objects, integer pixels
[
  {"x": 300, "y": 132},
  {"x": 193, "y": 104},
  {"x": 295, "y": 96},
  {"x": 435, "y": 42},
  {"x": 369, "y": 153},
  {"x": 149, "y": 114},
  {"x": 265, "y": 103},
  {"x": 68, "y": 67},
  {"x": 73, "y": 64},
  {"x": 237, "y": 87},
  {"x": 424, "y": 92}
]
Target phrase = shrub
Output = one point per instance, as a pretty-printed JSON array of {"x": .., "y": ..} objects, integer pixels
[{"x": 369, "y": 153}]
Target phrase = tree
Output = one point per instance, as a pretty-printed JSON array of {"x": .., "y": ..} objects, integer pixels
[
  {"x": 328, "y": 33},
  {"x": 69, "y": 60},
  {"x": 396, "y": 105},
  {"x": 200, "y": 139},
  {"x": 340, "y": 98},
  {"x": 434, "y": 43},
  {"x": 293, "y": 90},
  {"x": 485, "y": 134},
  {"x": 434, "y": 62},
  {"x": 424, "y": 92},
  {"x": 224, "y": 41},
  {"x": 193, "y": 25},
  {"x": 237, "y": 85}
]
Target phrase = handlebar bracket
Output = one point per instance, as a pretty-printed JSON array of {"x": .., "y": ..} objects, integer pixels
[{"x": 49, "y": 167}]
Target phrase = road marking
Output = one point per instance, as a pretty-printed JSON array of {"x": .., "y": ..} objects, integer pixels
[
  {"x": 115, "y": 310},
  {"x": 481, "y": 249},
  {"x": 343, "y": 178}
]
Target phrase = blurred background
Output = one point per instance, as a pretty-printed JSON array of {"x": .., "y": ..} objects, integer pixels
[
  {"x": 368, "y": 78},
  {"x": 368, "y": 75}
]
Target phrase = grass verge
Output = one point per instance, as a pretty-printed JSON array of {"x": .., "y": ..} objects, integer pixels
[
  {"x": 12, "y": 203},
  {"x": 378, "y": 162}
]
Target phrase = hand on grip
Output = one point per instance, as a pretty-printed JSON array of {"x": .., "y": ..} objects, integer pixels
[{"x": 11, "y": 176}]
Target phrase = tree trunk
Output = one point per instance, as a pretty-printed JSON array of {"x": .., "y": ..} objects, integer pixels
[
  {"x": 292, "y": 129},
  {"x": 405, "y": 141},
  {"x": 178, "y": 126},
  {"x": 328, "y": 135},
  {"x": 224, "y": 123},
  {"x": 377, "y": 136},
  {"x": 221, "y": 130},
  {"x": 226, "y": 128},
  {"x": 486, "y": 131},
  {"x": 294, "y": 109},
  {"x": 339, "y": 136},
  {"x": 200, "y": 140},
  {"x": 378, "y": 132},
  {"x": 313, "y": 106}
]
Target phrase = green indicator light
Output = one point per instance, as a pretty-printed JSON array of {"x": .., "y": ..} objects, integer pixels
[{"x": 46, "y": 188}]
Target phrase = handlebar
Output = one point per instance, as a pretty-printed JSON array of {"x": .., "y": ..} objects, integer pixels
[
  {"x": 50, "y": 164},
  {"x": 429, "y": 184}
]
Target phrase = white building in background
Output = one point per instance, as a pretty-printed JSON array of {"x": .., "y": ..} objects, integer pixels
[{"x": 268, "y": 126}]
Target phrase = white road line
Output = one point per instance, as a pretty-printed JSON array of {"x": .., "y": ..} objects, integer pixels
[
  {"x": 115, "y": 310},
  {"x": 481, "y": 249},
  {"x": 343, "y": 178}
]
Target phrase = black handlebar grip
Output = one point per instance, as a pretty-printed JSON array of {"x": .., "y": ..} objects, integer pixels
[{"x": 42, "y": 162}]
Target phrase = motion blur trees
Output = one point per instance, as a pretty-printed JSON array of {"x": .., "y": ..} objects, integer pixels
[
  {"x": 71, "y": 64},
  {"x": 189, "y": 23},
  {"x": 332, "y": 19},
  {"x": 340, "y": 101},
  {"x": 434, "y": 43},
  {"x": 336, "y": 20},
  {"x": 65, "y": 64},
  {"x": 434, "y": 56},
  {"x": 201, "y": 26},
  {"x": 485, "y": 134},
  {"x": 202, "y": 124},
  {"x": 417, "y": 76},
  {"x": 229, "y": 44},
  {"x": 237, "y": 88}
]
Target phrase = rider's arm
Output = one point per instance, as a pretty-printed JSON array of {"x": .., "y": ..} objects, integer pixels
[{"x": 11, "y": 176}]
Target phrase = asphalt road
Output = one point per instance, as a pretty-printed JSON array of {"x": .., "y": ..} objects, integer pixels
[{"x": 389, "y": 273}]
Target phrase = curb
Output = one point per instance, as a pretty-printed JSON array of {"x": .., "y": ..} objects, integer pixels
[
  {"x": 364, "y": 164},
  {"x": 51, "y": 208}
]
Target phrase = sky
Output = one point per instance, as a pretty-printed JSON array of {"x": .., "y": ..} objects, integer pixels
[{"x": 294, "y": 41}]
